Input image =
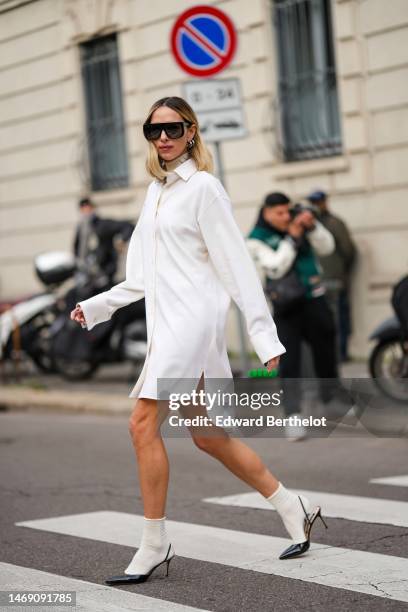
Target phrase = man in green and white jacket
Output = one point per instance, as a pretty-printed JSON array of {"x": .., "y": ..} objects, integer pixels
[{"x": 279, "y": 242}]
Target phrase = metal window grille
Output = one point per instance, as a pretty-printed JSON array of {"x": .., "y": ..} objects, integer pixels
[
  {"x": 106, "y": 138},
  {"x": 308, "y": 100}
]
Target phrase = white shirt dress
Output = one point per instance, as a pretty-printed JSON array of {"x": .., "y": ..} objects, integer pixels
[{"x": 187, "y": 257}]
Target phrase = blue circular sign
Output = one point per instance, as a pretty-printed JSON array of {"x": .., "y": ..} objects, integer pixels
[{"x": 203, "y": 40}]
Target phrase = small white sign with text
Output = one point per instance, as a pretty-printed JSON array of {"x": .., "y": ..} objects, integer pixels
[{"x": 218, "y": 106}]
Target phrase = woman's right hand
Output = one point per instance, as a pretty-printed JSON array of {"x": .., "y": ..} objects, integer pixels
[
  {"x": 78, "y": 315},
  {"x": 273, "y": 363}
]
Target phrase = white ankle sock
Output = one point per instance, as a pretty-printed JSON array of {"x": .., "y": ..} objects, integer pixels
[
  {"x": 290, "y": 509},
  {"x": 153, "y": 547}
]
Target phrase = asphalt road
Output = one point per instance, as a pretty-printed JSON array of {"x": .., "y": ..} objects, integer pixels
[{"x": 60, "y": 465}]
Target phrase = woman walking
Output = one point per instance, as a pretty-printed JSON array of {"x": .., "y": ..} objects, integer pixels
[{"x": 187, "y": 257}]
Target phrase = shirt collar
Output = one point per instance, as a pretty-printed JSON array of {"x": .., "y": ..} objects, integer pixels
[{"x": 186, "y": 169}]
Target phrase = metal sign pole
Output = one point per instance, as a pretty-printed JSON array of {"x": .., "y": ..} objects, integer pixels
[{"x": 245, "y": 364}]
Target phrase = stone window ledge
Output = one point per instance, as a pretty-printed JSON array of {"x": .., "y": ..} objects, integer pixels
[{"x": 311, "y": 167}]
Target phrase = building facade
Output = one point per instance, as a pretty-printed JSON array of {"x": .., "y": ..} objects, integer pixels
[{"x": 325, "y": 89}]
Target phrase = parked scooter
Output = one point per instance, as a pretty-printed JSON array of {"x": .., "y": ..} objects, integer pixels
[
  {"x": 57, "y": 344},
  {"x": 33, "y": 316},
  {"x": 388, "y": 361}
]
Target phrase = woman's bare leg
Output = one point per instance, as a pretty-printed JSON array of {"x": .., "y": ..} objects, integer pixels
[
  {"x": 239, "y": 458},
  {"x": 153, "y": 468},
  {"x": 151, "y": 454}
]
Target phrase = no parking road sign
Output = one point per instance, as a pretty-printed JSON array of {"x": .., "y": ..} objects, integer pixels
[{"x": 203, "y": 41}]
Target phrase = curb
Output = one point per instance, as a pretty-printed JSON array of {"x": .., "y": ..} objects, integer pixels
[{"x": 15, "y": 398}]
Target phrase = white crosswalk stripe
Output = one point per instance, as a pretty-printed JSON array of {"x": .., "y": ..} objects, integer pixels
[
  {"x": 396, "y": 481},
  {"x": 89, "y": 597},
  {"x": 353, "y": 570},
  {"x": 351, "y": 507}
]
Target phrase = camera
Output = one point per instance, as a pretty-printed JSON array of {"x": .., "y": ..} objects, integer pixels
[{"x": 298, "y": 208}]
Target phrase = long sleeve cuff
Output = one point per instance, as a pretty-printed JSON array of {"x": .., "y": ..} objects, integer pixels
[
  {"x": 96, "y": 310},
  {"x": 267, "y": 345}
]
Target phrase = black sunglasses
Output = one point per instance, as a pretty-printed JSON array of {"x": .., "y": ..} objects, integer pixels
[{"x": 173, "y": 129}]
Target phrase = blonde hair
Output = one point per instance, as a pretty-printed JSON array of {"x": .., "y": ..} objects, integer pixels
[{"x": 198, "y": 152}]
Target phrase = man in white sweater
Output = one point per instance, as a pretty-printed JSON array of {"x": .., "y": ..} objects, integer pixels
[{"x": 285, "y": 244}]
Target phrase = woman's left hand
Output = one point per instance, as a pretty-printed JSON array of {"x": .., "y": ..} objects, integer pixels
[{"x": 272, "y": 364}]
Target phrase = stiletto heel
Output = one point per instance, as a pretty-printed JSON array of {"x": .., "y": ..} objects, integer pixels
[
  {"x": 317, "y": 513},
  {"x": 136, "y": 578},
  {"x": 295, "y": 550},
  {"x": 323, "y": 521}
]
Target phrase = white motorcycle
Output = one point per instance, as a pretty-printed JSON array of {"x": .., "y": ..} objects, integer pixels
[
  {"x": 57, "y": 344},
  {"x": 33, "y": 317}
]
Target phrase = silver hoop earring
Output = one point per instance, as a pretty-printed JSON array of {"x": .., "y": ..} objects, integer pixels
[{"x": 190, "y": 144}]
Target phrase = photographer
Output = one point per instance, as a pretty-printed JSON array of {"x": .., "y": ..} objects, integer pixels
[{"x": 284, "y": 244}]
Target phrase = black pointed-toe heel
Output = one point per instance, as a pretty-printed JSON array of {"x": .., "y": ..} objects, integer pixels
[
  {"x": 137, "y": 578},
  {"x": 295, "y": 550}
]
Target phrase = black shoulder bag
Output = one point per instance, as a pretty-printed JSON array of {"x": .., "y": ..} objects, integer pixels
[{"x": 286, "y": 293}]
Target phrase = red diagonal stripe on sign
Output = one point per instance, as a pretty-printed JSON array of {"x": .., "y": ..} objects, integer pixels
[{"x": 197, "y": 37}]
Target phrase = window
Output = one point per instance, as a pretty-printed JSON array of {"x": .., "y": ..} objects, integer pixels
[
  {"x": 308, "y": 102},
  {"x": 107, "y": 151}
]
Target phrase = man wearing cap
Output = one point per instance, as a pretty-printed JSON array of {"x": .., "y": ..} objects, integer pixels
[
  {"x": 337, "y": 268},
  {"x": 285, "y": 242}
]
